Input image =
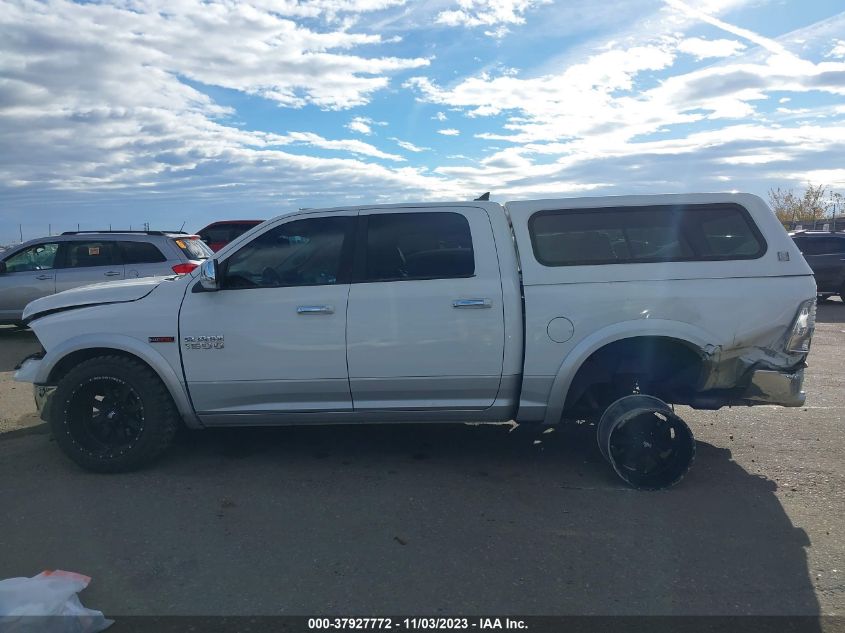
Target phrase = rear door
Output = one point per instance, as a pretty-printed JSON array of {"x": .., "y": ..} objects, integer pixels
[
  {"x": 425, "y": 326},
  {"x": 143, "y": 259},
  {"x": 30, "y": 274},
  {"x": 84, "y": 262}
]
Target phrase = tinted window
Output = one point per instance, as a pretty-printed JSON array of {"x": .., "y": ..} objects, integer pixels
[
  {"x": 40, "y": 257},
  {"x": 644, "y": 234},
  {"x": 193, "y": 248},
  {"x": 298, "y": 253},
  {"x": 216, "y": 234},
  {"x": 239, "y": 229},
  {"x": 141, "y": 253},
  {"x": 88, "y": 254},
  {"x": 418, "y": 246},
  {"x": 820, "y": 245}
]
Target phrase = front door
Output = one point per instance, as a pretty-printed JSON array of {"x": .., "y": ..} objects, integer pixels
[
  {"x": 426, "y": 321},
  {"x": 29, "y": 275},
  {"x": 272, "y": 340}
]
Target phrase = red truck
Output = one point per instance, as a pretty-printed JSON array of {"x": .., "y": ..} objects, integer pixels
[{"x": 217, "y": 234}]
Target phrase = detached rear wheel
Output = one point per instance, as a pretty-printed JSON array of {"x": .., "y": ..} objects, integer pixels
[{"x": 112, "y": 414}]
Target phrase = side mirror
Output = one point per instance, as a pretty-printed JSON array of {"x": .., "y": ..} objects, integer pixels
[
  {"x": 208, "y": 275},
  {"x": 2, "y": 267}
]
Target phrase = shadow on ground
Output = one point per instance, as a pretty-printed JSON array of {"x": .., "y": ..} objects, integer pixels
[
  {"x": 401, "y": 520},
  {"x": 831, "y": 311}
]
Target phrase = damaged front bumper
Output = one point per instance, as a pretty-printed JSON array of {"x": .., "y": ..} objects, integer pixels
[
  {"x": 774, "y": 387},
  {"x": 43, "y": 398},
  {"x": 27, "y": 372}
]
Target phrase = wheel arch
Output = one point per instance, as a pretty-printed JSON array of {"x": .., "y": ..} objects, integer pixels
[
  {"x": 75, "y": 350},
  {"x": 693, "y": 337}
]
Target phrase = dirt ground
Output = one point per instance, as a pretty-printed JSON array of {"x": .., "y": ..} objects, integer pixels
[{"x": 443, "y": 519}]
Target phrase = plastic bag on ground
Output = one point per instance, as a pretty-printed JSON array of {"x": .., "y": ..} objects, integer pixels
[{"x": 48, "y": 603}]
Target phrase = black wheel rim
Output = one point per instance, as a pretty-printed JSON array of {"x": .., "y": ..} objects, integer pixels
[
  {"x": 651, "y": 450},
  {"x": 105, "y": 416}
]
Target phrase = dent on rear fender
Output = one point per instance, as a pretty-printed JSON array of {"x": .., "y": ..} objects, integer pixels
[{"x": 725, "y": 366}]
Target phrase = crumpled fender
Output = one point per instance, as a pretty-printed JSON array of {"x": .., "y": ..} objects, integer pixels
[
  {"x": 695, "y": 337},
  {"x": 104, "y": 293}
]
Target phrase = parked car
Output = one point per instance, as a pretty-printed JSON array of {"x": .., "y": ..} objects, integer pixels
[
  {"x": 217, "y": 234},
  {"x": 825, "y": 253},
  {"x": 45, "y": 266},
  {"x": 547, "y": 311}
]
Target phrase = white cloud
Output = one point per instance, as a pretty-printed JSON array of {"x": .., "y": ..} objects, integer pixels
[
  {"x": 838, "y": 50},
  {"x": 581, "y": 99},
  {"x": 275, "y": 57},
  {"x": 101, "y": 99},
  {"x": 497, "y": 14},
  {"x": 407, "y": 145},
  {"x": 363, "y": 125},
  {"x": 108, "y": 102},
  {"x": 360, "y": 125},
  {"x": 703, "y": 49},
  {"x": 315, "y": 140}
]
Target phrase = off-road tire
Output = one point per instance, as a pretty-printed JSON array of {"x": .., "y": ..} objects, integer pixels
[{"x": 160, "y": 422}]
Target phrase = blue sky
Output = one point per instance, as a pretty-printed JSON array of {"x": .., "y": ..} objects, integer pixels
[{"x": 180, "y": 111}]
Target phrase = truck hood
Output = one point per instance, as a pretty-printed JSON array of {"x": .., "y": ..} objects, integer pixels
[{"x": 95, "y": 294}]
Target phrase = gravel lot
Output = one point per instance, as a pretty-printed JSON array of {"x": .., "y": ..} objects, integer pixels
[{"x": 442, "y": 519}]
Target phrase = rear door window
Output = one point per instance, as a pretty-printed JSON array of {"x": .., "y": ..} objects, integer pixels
[
  {"x": 418, "y": 246},
  {"x": 141, "y": 253},
  {"x": 619, "y": 235},
  {"x": 87, "y": 254},
  {"x": 820, "y": 245}
]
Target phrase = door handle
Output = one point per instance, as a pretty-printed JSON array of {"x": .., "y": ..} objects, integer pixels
[
  {"x": 111, "y": 273},
  {"x": 315, "y": 310},
  {"x": 44, "y": 277},
  {"x": 472, "y": 303}
]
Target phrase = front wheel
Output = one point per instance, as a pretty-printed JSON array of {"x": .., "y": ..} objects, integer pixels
[{"x": 112, "y": 414}]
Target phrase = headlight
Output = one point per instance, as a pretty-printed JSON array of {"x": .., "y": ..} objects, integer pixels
[{"x": 802, "y": 328}]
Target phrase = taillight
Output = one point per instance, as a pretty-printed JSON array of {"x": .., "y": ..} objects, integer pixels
[
  {"x": 184, "y": 269},
  {"x": 802, "y": 328}
]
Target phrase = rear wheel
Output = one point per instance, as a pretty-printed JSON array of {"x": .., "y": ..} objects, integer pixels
[{"x": 112, "y": 414}]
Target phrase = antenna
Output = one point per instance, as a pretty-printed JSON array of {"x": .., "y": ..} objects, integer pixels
[
  {"x": 483, "y": 196},
  {"x": 183, "y": 226}
]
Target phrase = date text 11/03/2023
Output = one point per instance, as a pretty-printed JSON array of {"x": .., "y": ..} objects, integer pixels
[{"x": 428, "y": 624}]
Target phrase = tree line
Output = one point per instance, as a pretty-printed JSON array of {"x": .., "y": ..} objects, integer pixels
[{"x": 816, "y": 203}]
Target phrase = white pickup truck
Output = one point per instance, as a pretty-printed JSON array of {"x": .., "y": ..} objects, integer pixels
[{"x": 596, "y": 309}]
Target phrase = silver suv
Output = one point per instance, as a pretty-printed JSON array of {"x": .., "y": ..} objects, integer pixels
[{"x": 49, "y": 265}]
